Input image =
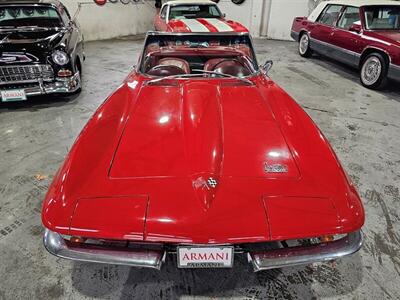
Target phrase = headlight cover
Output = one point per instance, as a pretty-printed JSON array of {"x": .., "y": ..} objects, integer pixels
[{"x": 60, "y": 57}]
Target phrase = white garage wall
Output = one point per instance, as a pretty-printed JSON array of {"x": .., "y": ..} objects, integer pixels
[
  {"x": 282, "y": 13},
  {"x": 249, "y": 13},
  {"x": 112, "y": 20},
  {"x": 270, "y": 18}
]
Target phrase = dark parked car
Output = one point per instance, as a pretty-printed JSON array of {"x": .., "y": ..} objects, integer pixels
[{"x": 41, "y": 49}]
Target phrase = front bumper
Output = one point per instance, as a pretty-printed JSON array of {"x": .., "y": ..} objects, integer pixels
[
  {"x": 394, "y": 72},
  {"x": 65, "y": 85},
  {"x": 265, "y": 260}
]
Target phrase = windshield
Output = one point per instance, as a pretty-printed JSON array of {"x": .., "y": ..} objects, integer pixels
[
  {"x": 36, "y": 16},
  {"x": 194, "y": 11},
  {"x": 382, "y": 18},
  {"x": 191, "y": 54}
]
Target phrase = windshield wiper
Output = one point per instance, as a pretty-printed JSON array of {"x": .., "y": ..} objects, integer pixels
[
  {"x": 33, "y": 27},
  {"x": 171, "y": 77},
  {"x": 224, "y": 75},
  {"x": 197, "y": 75}
]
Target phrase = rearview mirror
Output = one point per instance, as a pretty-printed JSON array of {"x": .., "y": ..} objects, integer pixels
[
  {"x": 355, "y": 28},
  {"x": 267, "y": 66}
]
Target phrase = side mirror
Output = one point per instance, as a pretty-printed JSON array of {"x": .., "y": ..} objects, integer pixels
[
  {"x": 355, "y": 28},
  {"x": 224, "y": 15},
  {"x": 267, "y": 66}
]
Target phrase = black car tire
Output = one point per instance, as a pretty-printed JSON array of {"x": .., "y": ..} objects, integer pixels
[
  {"x": 373, "y": 71},
  {"x": 304, "y": 45}
]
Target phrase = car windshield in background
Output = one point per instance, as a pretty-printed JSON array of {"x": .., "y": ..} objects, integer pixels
[
  {"x": 35, "y": 16},
  {"x": 382, "y": 18},
  {"x": 198, "y": 46},
  {"x": 194, "y": 11}
]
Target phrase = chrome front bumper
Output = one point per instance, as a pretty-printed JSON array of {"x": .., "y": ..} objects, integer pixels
[
  {"x": 57, "y": 246},
  {"x": 293, "y": 256},
  {"x": 66, "y": 85},
  {"x": 271, "y": 259},
  {"x": 394, "y": 72}
]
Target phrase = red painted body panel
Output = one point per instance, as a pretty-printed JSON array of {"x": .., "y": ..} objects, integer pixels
[
  {"x": 148, "y": 150},
  {"x": 180, "y": 26},
  {"x": 91, "y": 215}
]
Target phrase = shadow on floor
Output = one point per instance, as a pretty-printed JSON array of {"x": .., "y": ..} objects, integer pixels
[
  {"x": 391, "y": 90},
  {"x": 107, "y": 281}
]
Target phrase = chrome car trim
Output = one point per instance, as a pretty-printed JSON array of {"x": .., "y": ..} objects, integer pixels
[
  {"x": 57, "y": 246},
  {"x": 59, "y": 86},
  {"x": 11, "y": 74},
  {"x": 394, "y": 72},
  {"x": 293, "y": 256},
  {"x": 379, "y": 49}
]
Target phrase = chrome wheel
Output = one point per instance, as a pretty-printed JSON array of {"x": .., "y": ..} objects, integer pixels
[
  {"x": 371, "y": 70},
  {"x": 304, "y": 44}
]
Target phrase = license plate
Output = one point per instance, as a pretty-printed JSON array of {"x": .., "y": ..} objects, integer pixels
[
  {"x": 205, "y": 257},
  {"x": 13, "y": 95}
]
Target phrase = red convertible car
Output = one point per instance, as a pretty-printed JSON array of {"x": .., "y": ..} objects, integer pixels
[
  {"x": 199, "y": 154},
  {"x": 194, "y": 16},
  {"x": 362, "y": 33}
]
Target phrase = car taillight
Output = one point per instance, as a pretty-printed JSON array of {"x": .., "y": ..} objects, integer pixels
[{"x": 64, "y": 73}]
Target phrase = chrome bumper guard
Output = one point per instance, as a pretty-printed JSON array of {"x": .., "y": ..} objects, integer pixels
[
  {"x": 57, "y": 246},
  {"x": 293, "y": 256},
  {"x": 271, "y": 259},
  {"x": 59, "y": 86}
]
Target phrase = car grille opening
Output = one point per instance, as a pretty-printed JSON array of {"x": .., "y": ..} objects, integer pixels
[{"x": 25, "y": 74}]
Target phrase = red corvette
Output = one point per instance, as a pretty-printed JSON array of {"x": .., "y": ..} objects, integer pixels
[
  {"x": 362, "y": 33},
  {"x": 200, "y": 154},
  {"x": 194, "y": 16}
]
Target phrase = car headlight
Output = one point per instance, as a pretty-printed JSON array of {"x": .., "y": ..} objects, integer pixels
[{"x": 60, "y": 57}]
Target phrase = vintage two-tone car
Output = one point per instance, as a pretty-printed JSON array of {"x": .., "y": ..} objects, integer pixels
[
  {"x": 200, "y": 154},
  {"x": 41, "y": 50},
  {"x": 194, "y": 16},
  {"x": 362, "y": 33}
]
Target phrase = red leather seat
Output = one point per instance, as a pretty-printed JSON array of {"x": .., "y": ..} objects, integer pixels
[
  {"x": 177, "y": 62},
  {"x": 210, "y": 64},
  {"x": 227, "y": 66}
]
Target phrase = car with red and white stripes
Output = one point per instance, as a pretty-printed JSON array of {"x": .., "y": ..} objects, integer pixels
[{"x": 194, "y": 16}]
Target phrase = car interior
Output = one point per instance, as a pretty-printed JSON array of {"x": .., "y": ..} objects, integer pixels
[{"x": 237, "y": 66}]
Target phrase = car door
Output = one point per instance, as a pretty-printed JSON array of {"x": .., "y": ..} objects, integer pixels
[
  {"x": 160, "y": 21},
  {"x": 348, "y": 43},
  {"x": 321, "y": 32}
]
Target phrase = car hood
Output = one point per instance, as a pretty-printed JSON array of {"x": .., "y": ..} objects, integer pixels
[
  {"x": 200, "y": 161},
  {"x": 205, "y": 25},
  {"x": 202, "y": 131},
  {"x": 27, "y": 46}
]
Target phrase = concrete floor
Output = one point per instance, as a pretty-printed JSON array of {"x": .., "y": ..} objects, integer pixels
[{"x": 363, "y": 126}]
